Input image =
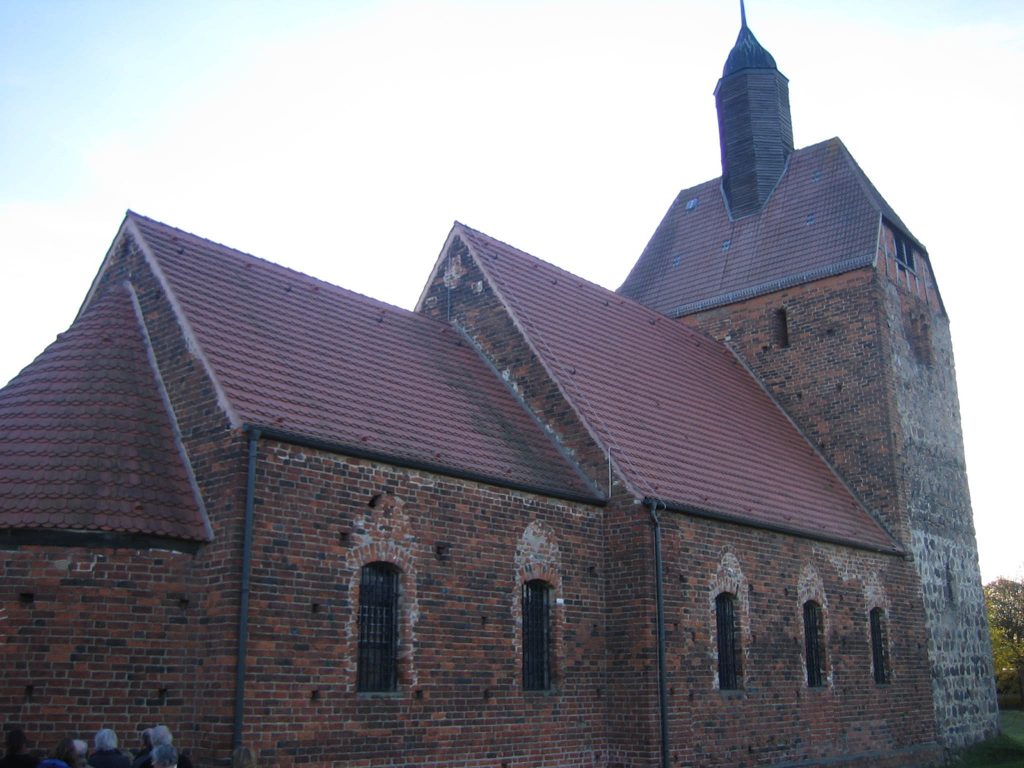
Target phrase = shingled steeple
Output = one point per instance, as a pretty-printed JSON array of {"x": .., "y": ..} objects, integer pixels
[{"x": 754, "y": 125}]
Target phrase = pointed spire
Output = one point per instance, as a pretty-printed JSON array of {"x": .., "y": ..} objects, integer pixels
[
  {"x": 754, "y": 123},
  {"x": 747, "y": 53}
]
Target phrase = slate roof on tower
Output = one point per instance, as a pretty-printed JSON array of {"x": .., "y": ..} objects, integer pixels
[
  {"x": 822, "y": 219},
  {"x": 680, "y": 417}
]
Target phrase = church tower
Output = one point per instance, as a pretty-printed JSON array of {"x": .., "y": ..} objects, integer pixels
[{"x": 795, "y": 260}]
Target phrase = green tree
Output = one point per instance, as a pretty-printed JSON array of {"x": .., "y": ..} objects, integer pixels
[{"x": 1004, "y": 599}]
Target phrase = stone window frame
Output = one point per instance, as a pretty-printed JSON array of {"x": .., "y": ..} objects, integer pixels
[
  {"x": 729, "y": 578},
  {"x": 811, "y": 589},
  {"x": 538, "y": 558},
  {"x": 401, "y": 560}
]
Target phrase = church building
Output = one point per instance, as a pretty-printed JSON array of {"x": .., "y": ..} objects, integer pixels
[{"x": 718, "y": 517}]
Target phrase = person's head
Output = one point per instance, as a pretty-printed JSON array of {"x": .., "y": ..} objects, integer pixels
[
  {"x": 243, "y": 757},
  {"x": 67, "y": 751},
  {"x": 147, "y": 739},
  {"x": 165, "y": 756},
  {"x": 105, "y": 740},
  {"x": 161, "y": 734}
]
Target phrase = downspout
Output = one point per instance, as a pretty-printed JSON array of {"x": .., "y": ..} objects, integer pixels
[
  {"x": 243, "y": 603},
  {"x": 654, "y": 505}
]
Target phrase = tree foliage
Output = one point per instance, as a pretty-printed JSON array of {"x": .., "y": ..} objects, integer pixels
[{"x": 1004, "y": 599}]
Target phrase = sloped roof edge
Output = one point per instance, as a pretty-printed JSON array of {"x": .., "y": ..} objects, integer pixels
[
  {"x": 158, "y": 378},
  {"x": 613, "y": 452}
]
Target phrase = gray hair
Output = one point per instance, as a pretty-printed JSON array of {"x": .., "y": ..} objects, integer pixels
[
  {"x": 82, "y": 747},
  {"x": 165, "y": 756},
  {"x": 161, "y": 734},
  {"x": 105, "y": 739}
]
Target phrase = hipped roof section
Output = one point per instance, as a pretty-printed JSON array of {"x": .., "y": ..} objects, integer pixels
[
  {"x": 823, "y": 218},
  {"x": 308, "y": 360},
  {"x": 87, "y": 442},
  {"x": 683, "y": 421}
]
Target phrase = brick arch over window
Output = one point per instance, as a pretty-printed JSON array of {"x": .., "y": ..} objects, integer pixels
[
  {"x": 389, "y": 554},
  {"x": 538, "y": 577},
  {"x": 876, "y": 625},
  {"x": 812, "y": 611},
  {"x": 729, "y": 580}
]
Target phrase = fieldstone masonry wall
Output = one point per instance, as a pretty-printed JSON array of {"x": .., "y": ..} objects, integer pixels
[{"x": 933, "y": 477}]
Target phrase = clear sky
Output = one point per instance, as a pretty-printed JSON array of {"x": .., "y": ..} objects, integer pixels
[{"x": 344, "y": 138}]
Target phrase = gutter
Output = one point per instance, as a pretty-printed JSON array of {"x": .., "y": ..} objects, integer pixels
[
  {"x": 654, "y": 505},
  {"x": 243, "y": 603}
]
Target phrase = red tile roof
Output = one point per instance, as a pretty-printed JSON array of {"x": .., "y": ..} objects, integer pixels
[
  {"x": 300, "y": 356},
  {"x": 86, "y": 441},
  {"x": 683, "y": 420},
  {"x": 823, "y": 218}
]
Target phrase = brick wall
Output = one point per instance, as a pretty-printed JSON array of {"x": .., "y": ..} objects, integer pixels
[
  {"x": 96, "y": 637},
  {"x": 867, "y": 373},
  {"x": 463, "y": 551}
]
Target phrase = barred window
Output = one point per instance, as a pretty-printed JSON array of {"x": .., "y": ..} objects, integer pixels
[
  {"x": 814, "y": 644},
  {"x": 378, "y": 628},
  {"x": 729, "y": 671},
  {"x": 536, "y": 636},
  {"x": 879, "y": 646}
]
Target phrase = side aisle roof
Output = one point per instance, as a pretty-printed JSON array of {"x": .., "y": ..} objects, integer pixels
[
  {"x": 302, "y": 357},
  {"x": 86, "y": 438}
]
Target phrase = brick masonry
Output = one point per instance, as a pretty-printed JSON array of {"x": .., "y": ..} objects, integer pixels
[
  {"x": 126, "y": 636},
  {"x": 868, "y": 375}
]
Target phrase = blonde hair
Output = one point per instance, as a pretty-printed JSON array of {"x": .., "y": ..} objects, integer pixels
[{"x": 243, "y": 757}]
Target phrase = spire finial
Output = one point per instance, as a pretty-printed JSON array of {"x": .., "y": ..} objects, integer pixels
[{"x": 743, "y": 16}]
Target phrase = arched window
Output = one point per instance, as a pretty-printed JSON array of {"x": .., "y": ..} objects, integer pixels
[
  {"x": 536, "y": 636},
  {"x": 879, "y": 646},
  {"x": 729, "y": 671},
  {"x": 814, "y": 644},
  {"x": 378, "y": 628}
]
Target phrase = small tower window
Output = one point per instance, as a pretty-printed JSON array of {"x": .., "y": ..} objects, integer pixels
[
  {"x": 780, "y": 328},
  {"x": 904, "y": 251}
]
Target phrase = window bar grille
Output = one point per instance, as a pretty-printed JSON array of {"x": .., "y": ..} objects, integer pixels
[
  {"x": 878, "y": 653},
  {"x": 378, "y": 629},
  {"x": 813, "y": 641},
  {"x": 725, "y": 611},
  {"x": 536, "y": 636}
]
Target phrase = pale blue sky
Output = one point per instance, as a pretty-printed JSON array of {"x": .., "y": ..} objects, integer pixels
[{"x": 343, "y": 138}]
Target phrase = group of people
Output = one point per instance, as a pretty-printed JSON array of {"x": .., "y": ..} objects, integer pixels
[{"x": 157, "y": 751}]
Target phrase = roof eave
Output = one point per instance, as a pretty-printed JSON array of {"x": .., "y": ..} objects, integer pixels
[
  {"x": 788, "y": 530},
  {"x": 345, "y": 449}
]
